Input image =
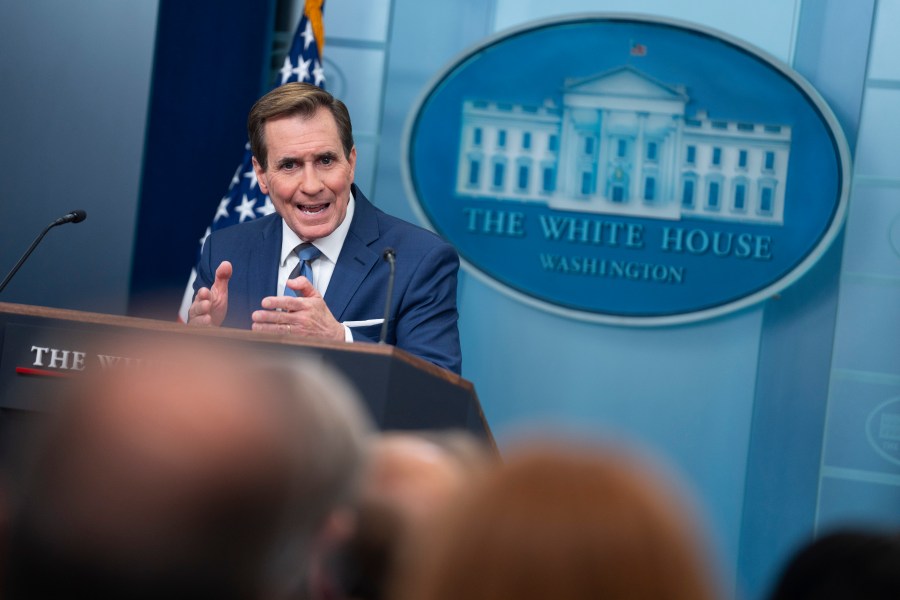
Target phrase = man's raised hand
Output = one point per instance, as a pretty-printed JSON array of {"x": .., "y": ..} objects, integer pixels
[
  {"x": 210, "y": 305},
  {"x": 306, "y": 315}
]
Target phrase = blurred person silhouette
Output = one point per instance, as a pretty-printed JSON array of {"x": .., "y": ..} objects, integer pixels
[
  {"x": 845, "y": 564},
  {"x": 200, "y": 474},
  {"x": 563, "y": 523},
  {"x": 411, "y": 477}
]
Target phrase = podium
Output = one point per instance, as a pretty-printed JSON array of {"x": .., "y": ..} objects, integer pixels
[{"x": 41, "y": 347}]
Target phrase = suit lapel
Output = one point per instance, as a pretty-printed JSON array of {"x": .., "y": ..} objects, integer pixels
[
  {"x": 264, "y": 261},
  {"x": 356, "y": 259}
]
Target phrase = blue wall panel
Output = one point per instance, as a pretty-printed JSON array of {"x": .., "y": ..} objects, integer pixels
[
  {"x": 73, "y": 110},
  {"x": 831, "y": 51}
]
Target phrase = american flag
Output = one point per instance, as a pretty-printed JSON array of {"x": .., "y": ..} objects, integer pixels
[{"x": 244, "y": 201}]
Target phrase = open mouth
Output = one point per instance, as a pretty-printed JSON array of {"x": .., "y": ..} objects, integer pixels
[{"x": 312, "y": 209}]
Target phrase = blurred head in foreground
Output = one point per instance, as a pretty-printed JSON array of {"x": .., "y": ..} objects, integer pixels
[
  {"x": 568, "y": 525},
  {"x": 195, "y": 475},
  {"x": 843, "y": 565},
  {"x": 417, "y": 474},
  {"x": 411, "y": 478}
]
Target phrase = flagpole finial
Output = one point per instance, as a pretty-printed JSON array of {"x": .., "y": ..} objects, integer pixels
[{"x": 313, "y": 11}]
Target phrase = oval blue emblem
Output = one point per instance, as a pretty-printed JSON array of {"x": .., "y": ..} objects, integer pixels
[{"x": 628, "y": 170}]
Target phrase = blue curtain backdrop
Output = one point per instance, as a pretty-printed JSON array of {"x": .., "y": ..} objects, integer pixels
[{"x": 210, "y": 66}]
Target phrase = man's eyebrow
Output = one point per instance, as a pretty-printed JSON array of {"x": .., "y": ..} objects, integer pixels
[
  {"x": 287, "y": 159},
  {"x": 296, "y": 159}
]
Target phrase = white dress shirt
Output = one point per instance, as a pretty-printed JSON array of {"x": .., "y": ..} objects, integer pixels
[{"x": 323, "y": 267}]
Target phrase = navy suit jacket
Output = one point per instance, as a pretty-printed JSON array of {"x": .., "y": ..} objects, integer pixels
[{"x": 423, "y": 307}]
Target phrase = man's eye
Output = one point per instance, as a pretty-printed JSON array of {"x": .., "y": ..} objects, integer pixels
[
  {"x": 288, "y": 164},
  {"x": 327, "y": 160}
]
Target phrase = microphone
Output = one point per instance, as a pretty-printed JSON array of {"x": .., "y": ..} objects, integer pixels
[
  {"x": 75, "y": 216},
  {"x": 389, "y": 255}
]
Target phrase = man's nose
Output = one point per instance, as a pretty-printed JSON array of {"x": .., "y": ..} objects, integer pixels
[{"x": 310, "y": 181}]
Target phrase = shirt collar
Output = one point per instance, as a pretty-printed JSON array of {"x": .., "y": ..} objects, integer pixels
[{"x": 330, "y": 245}]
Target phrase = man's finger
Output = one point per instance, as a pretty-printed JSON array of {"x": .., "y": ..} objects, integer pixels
[
  {"x": 274, "y": 328},
  {"x": 203, "y": 320},
  {"x": 277, "y": 308},
  {"x": 198, "y": 313},
  {"x": 223, "y": 274},
  {"x": 269, "y": 316},
  {"x": 200, "y": 307},
  {"x": 282, "y": 303},
  {"x": 303, "y": 287}
]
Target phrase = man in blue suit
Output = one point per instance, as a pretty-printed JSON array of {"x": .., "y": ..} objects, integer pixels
[{"x": 325, "y": 228}]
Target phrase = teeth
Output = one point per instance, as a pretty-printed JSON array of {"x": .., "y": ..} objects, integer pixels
[{"x": 313, "y": 210}]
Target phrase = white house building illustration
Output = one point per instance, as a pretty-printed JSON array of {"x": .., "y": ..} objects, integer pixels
[{"x": 622, "y": 144}]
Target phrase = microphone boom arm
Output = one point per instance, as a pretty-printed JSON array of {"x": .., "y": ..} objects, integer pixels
[{"x": 76, "y": 216}]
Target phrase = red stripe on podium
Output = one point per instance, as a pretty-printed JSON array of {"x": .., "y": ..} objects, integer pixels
[{"x": 40, "y": 372}]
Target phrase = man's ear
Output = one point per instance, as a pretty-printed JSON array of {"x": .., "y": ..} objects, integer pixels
[
  {"x": 351, "y": 158},
  {"x": 260, "y": 176}
]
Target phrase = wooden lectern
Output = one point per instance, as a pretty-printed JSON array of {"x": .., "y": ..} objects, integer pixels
[{"x": 40, "y": 347}]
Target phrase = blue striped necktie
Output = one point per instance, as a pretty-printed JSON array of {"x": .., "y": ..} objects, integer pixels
[{"x": 307, "y": 254}]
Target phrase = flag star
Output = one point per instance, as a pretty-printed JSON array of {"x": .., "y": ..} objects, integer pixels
[
  {"x": 222, "y": 211},
  {"x": 286, "y": 69},
  {"x": 251, "y": 175},
  {"x": 318, "y": 73},
  {"x": 307, "y": 36},
  {"x": 205, "y": 235},
  {"x": 246, "y": 208},
  {"x": 236, "y": 178},
  {"x": 266, "y": 209},
  {"x": 302, "y": 69}
]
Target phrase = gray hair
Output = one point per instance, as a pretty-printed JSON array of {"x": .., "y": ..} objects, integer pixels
[{"x": 330, "y": 434}]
